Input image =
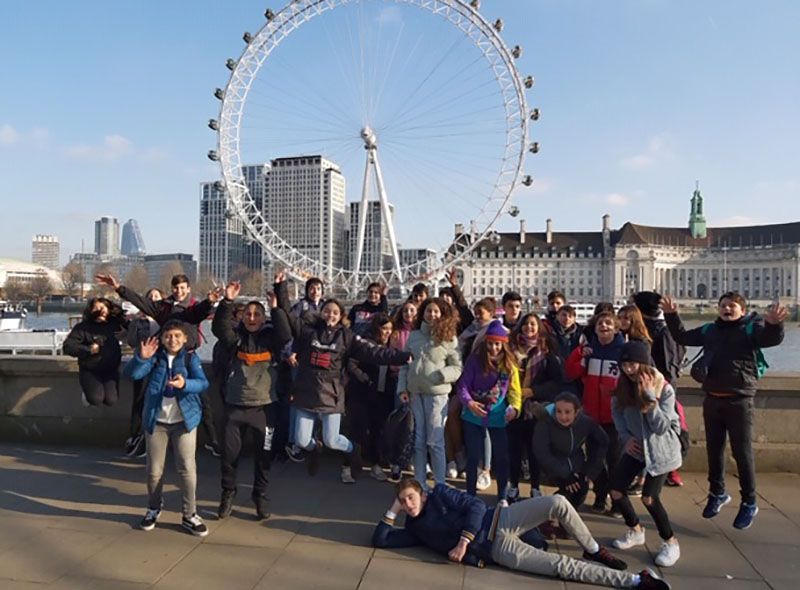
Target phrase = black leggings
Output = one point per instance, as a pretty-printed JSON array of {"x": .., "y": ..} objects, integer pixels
[
  {"x": 602, "y": 482},
  {"x": 366, "y": 414},
  {"x": 626, "y": 470},
  {"x": 99, "y": 387},
  {"x": 520, "y": 444}
]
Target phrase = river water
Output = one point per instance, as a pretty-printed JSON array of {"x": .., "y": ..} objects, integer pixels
[{"x": 784, "y": 358}]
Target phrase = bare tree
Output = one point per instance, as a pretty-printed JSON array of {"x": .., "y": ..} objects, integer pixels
[
  {"x": 251, "y": 280},
  {"x": 16, "y": 289},
  {"x": 72, "y": 279},
  {"x": 40, "y": 287},
  {"x": 137, "y": 279},
  {"x": 205, "y": 281}
]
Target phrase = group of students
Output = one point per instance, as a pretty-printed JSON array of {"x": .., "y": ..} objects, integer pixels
[{"x": 578, "y": 406}]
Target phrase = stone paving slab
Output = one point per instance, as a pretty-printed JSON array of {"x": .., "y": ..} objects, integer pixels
[{"x": 69, "y": 520}]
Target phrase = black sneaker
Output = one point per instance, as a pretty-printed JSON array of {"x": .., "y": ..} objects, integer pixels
[
  {"x": 295, "y": 453},
  {"x": 213, "y": 448},
  {"x": 194, "y": 525},
  {"x": 262, "y": 506},
  {"x": 132, "y": 443},
  {"x": 604, "y": 557},
  {"x": 635, "y": 491},
  {"x": 395, "y": 474},
  {"x": 141, "y": 449},
  {"x": 648, "y": 580},
  {"x": 226, "y": 503},
  {"x": 598, "y": 507},
  {"x": 312, "y": 464},
  {"x": 149, "y": 521}
]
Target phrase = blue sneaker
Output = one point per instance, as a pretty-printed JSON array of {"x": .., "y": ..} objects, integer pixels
[
  {"x": 747, "y": 512},
  {"x": 715, "y": 504}
]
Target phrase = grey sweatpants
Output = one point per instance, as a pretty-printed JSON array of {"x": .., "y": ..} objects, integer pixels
[
  {"x": 509, "y": 551},
  {"x": 183, "y": 448}
]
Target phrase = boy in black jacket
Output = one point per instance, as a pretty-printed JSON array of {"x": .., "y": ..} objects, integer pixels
[
  {"x": 453, "y": 523},
  {"x": 730, "y": 351},
  {"x": 360, "y": 315},
  {"x": 249, "y": 390}
]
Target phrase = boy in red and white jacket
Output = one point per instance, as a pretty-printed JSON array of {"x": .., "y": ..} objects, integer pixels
[{"x": 597, "y": 364}]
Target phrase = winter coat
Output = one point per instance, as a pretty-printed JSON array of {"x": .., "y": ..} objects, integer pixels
[
  {"x": 496, "y": 391},
  {"x": 566, "y": 341},
  {"x": 156, "y": 367},
  {"x": 547, "y": 383},
  {"x": 80, "y": 339},
  {"x": 599, "y": 374},
  {"x": 660, "y": 428},
  {"x": 435, "y": 367},
  {"x": 563, "y": 450},
  {"x": 471, "y": 337},
  {"x": 733, "y": 367},
  {"x": 360, "y": 315},
  {"x": 252, "y": 357},
  {"x": 189, "y": 311}
]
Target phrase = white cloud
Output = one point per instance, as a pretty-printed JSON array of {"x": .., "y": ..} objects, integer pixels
[
  {"x": 113, "y": 148},
  {"x": 616, "y": 199},
  {"x": 8, "y": 135},
  {"x": 39, "y": 137},
  {"x": 657, "y": 150}
]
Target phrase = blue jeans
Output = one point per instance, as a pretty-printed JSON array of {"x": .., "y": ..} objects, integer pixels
[
  {"x": 331, "y": 438},
  {"x": 430, "y": 413},
  {"x": 475, "y": 440}
]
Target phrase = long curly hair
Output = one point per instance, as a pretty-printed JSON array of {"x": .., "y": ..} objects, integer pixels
[{"x": 445, "y": 328}]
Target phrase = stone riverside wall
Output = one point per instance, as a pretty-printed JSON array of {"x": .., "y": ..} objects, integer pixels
[{"x": 40, "y": 402}]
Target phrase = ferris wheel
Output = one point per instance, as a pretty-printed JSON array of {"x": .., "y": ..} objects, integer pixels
[{"x": 429, "y": 113}]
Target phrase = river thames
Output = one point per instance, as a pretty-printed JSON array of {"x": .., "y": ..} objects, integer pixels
[{"x": 783, "y": 358}]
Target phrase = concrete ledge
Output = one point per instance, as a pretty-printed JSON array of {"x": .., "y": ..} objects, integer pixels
[{"x": 40, "y": 402}]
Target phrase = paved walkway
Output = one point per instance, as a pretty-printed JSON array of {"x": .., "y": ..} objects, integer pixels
[{"x": 68, "y": 521}]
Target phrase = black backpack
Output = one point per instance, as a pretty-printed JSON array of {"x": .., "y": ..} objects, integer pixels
[{"x": 397, "y": 440}]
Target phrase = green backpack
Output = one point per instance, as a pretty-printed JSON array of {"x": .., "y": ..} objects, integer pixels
[{"x": 761, "y": 362}]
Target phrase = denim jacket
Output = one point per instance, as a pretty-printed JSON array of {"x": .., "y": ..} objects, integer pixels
[{"x": 660, "y": 428}]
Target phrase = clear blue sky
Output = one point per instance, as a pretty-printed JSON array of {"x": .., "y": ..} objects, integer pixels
[{"x": 104, "y": 110}]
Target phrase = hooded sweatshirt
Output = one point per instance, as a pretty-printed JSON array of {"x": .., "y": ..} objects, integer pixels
[{"x": 564, "y": 450}]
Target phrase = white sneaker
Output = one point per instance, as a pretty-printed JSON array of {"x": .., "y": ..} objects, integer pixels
[
  {"x": 377, "y": 473},
  {"x": 428, "y": 471},
  {"x": 347, "y": 476},
  {"x": 502, "y": 503},
  {"x": 84, "y": 402},
  {"x": 670, "y": 553},
  {"x": 452, "y": 470},
  {"x": 631, "y": 538},
  {"x": 484, "y": 480}
]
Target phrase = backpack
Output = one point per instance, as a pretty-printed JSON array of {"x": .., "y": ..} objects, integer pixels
[
  {"x": 700, "y": 367},
  {"x": 397, "y": 440}
]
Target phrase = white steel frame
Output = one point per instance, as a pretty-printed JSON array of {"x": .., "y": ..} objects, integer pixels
[{"x": 512, "y": 89}]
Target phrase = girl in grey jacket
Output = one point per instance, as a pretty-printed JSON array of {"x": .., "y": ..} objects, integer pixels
[
  {"x": 644, "y": 414},
  {"x": 425, "y": 383}
]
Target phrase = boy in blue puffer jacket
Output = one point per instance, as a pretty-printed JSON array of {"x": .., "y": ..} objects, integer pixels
[{"x": 172, "y": 412}]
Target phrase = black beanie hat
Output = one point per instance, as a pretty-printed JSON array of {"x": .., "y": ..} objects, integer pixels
[
  {"x": 647, "y": 302},
  {"x": 636, "y": 351}
]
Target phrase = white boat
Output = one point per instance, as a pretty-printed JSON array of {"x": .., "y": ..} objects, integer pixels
[{"x": 12, "y": 316}]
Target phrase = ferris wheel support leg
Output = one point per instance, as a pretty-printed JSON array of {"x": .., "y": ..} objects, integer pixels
[
  {"x": 362, "y": 216},
  {"x": 388, "y": 217}
]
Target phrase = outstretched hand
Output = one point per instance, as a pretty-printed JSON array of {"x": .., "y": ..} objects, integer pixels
[
  {"x": 215, "y": 294},
  {"x": 280, "y": 276},
  {"x": 272, "y": 299},
  {"x": 452, "y": 276},
  {"x": 148, "y": 348},
  {"x": 776, "y": 314},
  {"x": 232, "y": 290},
  {"x": 107, "y": 280},
  {"x": 669, "y": 305}
]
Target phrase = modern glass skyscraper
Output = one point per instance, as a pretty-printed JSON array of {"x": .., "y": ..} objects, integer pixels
[
  {"x": 132, "y": 242},
  {"x": 106, "y": 236}
]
